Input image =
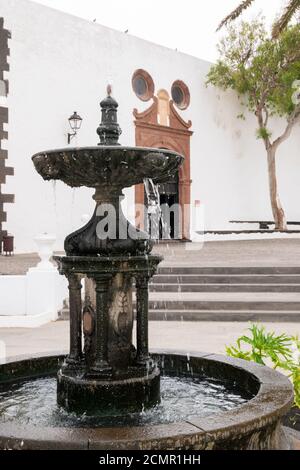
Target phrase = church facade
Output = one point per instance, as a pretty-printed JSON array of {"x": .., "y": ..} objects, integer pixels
[{"x": 52, "y": 64}]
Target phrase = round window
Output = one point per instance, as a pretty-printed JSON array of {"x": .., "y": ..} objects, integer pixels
[
  {"x": 142, "y": 85},
  {"x": 180, "y": 94}
]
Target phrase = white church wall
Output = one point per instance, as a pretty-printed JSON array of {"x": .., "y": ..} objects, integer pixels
[{"x": 60, "y": 63}]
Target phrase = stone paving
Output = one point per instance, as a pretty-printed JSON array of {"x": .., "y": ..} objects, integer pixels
[
  {"x": 210, "y": 337},
  {"x": 17, "y": 264},
  {"x": 273, "y": 252}
]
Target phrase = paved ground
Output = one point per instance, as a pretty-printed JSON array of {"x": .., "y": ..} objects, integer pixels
[
  {"x": 186, "y": 336},
  {"x": 273, "y": 252},
  {"x": 17, "y": 264}
]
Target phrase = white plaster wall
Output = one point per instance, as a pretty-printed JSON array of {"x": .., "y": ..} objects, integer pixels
[
  {"x": 37, "y": 298},
  {"x": 14, "y": 303},
  {"x": 60, "y": 63},
  {"x": 232, "y": 172}
]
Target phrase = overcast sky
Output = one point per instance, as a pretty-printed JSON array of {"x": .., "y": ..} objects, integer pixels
[{"x": 187, "y": 25}]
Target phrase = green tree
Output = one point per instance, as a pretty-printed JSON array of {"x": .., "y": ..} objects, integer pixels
[
  {"x": 292, "y": 7},
  {"x": 265, "y": 74}
]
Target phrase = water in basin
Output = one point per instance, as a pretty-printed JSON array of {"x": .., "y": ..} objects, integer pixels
[{"x": 33, "y": 402}]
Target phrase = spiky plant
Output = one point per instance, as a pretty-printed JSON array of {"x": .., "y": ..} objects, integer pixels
[
  {"x": 235, "y": 13},
  {"x": 265, "y": 347},
  {"x": 290, "y": 10}
]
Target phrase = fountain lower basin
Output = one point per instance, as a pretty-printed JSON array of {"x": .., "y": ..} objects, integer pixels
[{"x": 251, "y": 423}]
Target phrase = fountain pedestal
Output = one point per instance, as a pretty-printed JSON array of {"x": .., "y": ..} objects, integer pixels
[{"x": 104, "y": 369}]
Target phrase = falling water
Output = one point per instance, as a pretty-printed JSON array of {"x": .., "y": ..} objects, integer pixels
[
  {"x": 53, "y": 182},
  {"x": 157, "y": 220},
  {"x": 188, "y": 362},
  {"x": 72, "y": 207},
  {"x": 154, "y": 210},
  {"x": 55, "y": 204}
]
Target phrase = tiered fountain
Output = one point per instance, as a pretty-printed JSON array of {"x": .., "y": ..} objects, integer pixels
[
  {"x": 108, "y": 389},
  {"x": 112, "y": 253}
]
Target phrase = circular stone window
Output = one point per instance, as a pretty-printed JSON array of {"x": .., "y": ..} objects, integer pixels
[
  {"x": 143, "y": 85},
  {"x": 180, "y": 94}
]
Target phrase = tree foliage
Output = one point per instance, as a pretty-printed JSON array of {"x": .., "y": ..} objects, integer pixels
[
  {"x": 261, "y": 70},
  {"x": 265, "y": 73}
]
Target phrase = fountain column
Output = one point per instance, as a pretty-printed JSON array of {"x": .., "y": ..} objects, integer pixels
[
  {"x": 75, "y": 318},
  {"x": 101, "y": 326},
  {"x": 142, "y": 298}
]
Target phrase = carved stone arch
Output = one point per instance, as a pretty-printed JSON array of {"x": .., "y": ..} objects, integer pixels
[
  {"x": 171, "y": 144},
  {"x": 167, "y": 142}
]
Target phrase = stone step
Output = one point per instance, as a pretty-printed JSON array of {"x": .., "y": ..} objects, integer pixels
[
  {"x": 214, "y": 315},
  {"x": 224, "y": 294},
  {"x": 228, "y": 270},
  {"x": 223, "y": 305},
  {"x": 164, "y": 287},
  {"x": 284, "y": 301},
  {"x": 226, "y": 279},
  {"x": 225, "y": 316}
]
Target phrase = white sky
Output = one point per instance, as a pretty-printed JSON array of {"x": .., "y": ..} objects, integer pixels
[{"x": 187, "y": 25}]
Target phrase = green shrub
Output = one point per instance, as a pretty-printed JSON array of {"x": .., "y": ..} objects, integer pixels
[{"x": 281, "y": 352}]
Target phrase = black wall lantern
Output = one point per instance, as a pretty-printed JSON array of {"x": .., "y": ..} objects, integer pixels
[{"x": 75, "y": 123}]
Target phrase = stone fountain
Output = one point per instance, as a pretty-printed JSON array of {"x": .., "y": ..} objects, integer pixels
[
  {"x": 113, "y": 254},
  {"x": 108, "y": 386}
]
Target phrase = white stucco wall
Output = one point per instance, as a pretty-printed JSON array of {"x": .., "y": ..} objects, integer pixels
[{"x": 59, "y": 63}]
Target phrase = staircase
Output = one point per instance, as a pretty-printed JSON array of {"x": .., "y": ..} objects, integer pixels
[{"x": 226, "y": 294}]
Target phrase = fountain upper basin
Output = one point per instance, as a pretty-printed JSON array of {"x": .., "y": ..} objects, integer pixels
[{"x": 107, "y": 165}]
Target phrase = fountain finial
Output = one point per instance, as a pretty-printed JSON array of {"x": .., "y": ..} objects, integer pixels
[
  {"x": 109, "y": 89},
  {"x": 109, "y": 130}
]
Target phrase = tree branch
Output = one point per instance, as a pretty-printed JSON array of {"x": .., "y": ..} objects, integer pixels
[
  {"x": 259, "y": 115},
  {"x": 266, "y": 117},
  {"x": 292, "y": 121}
]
